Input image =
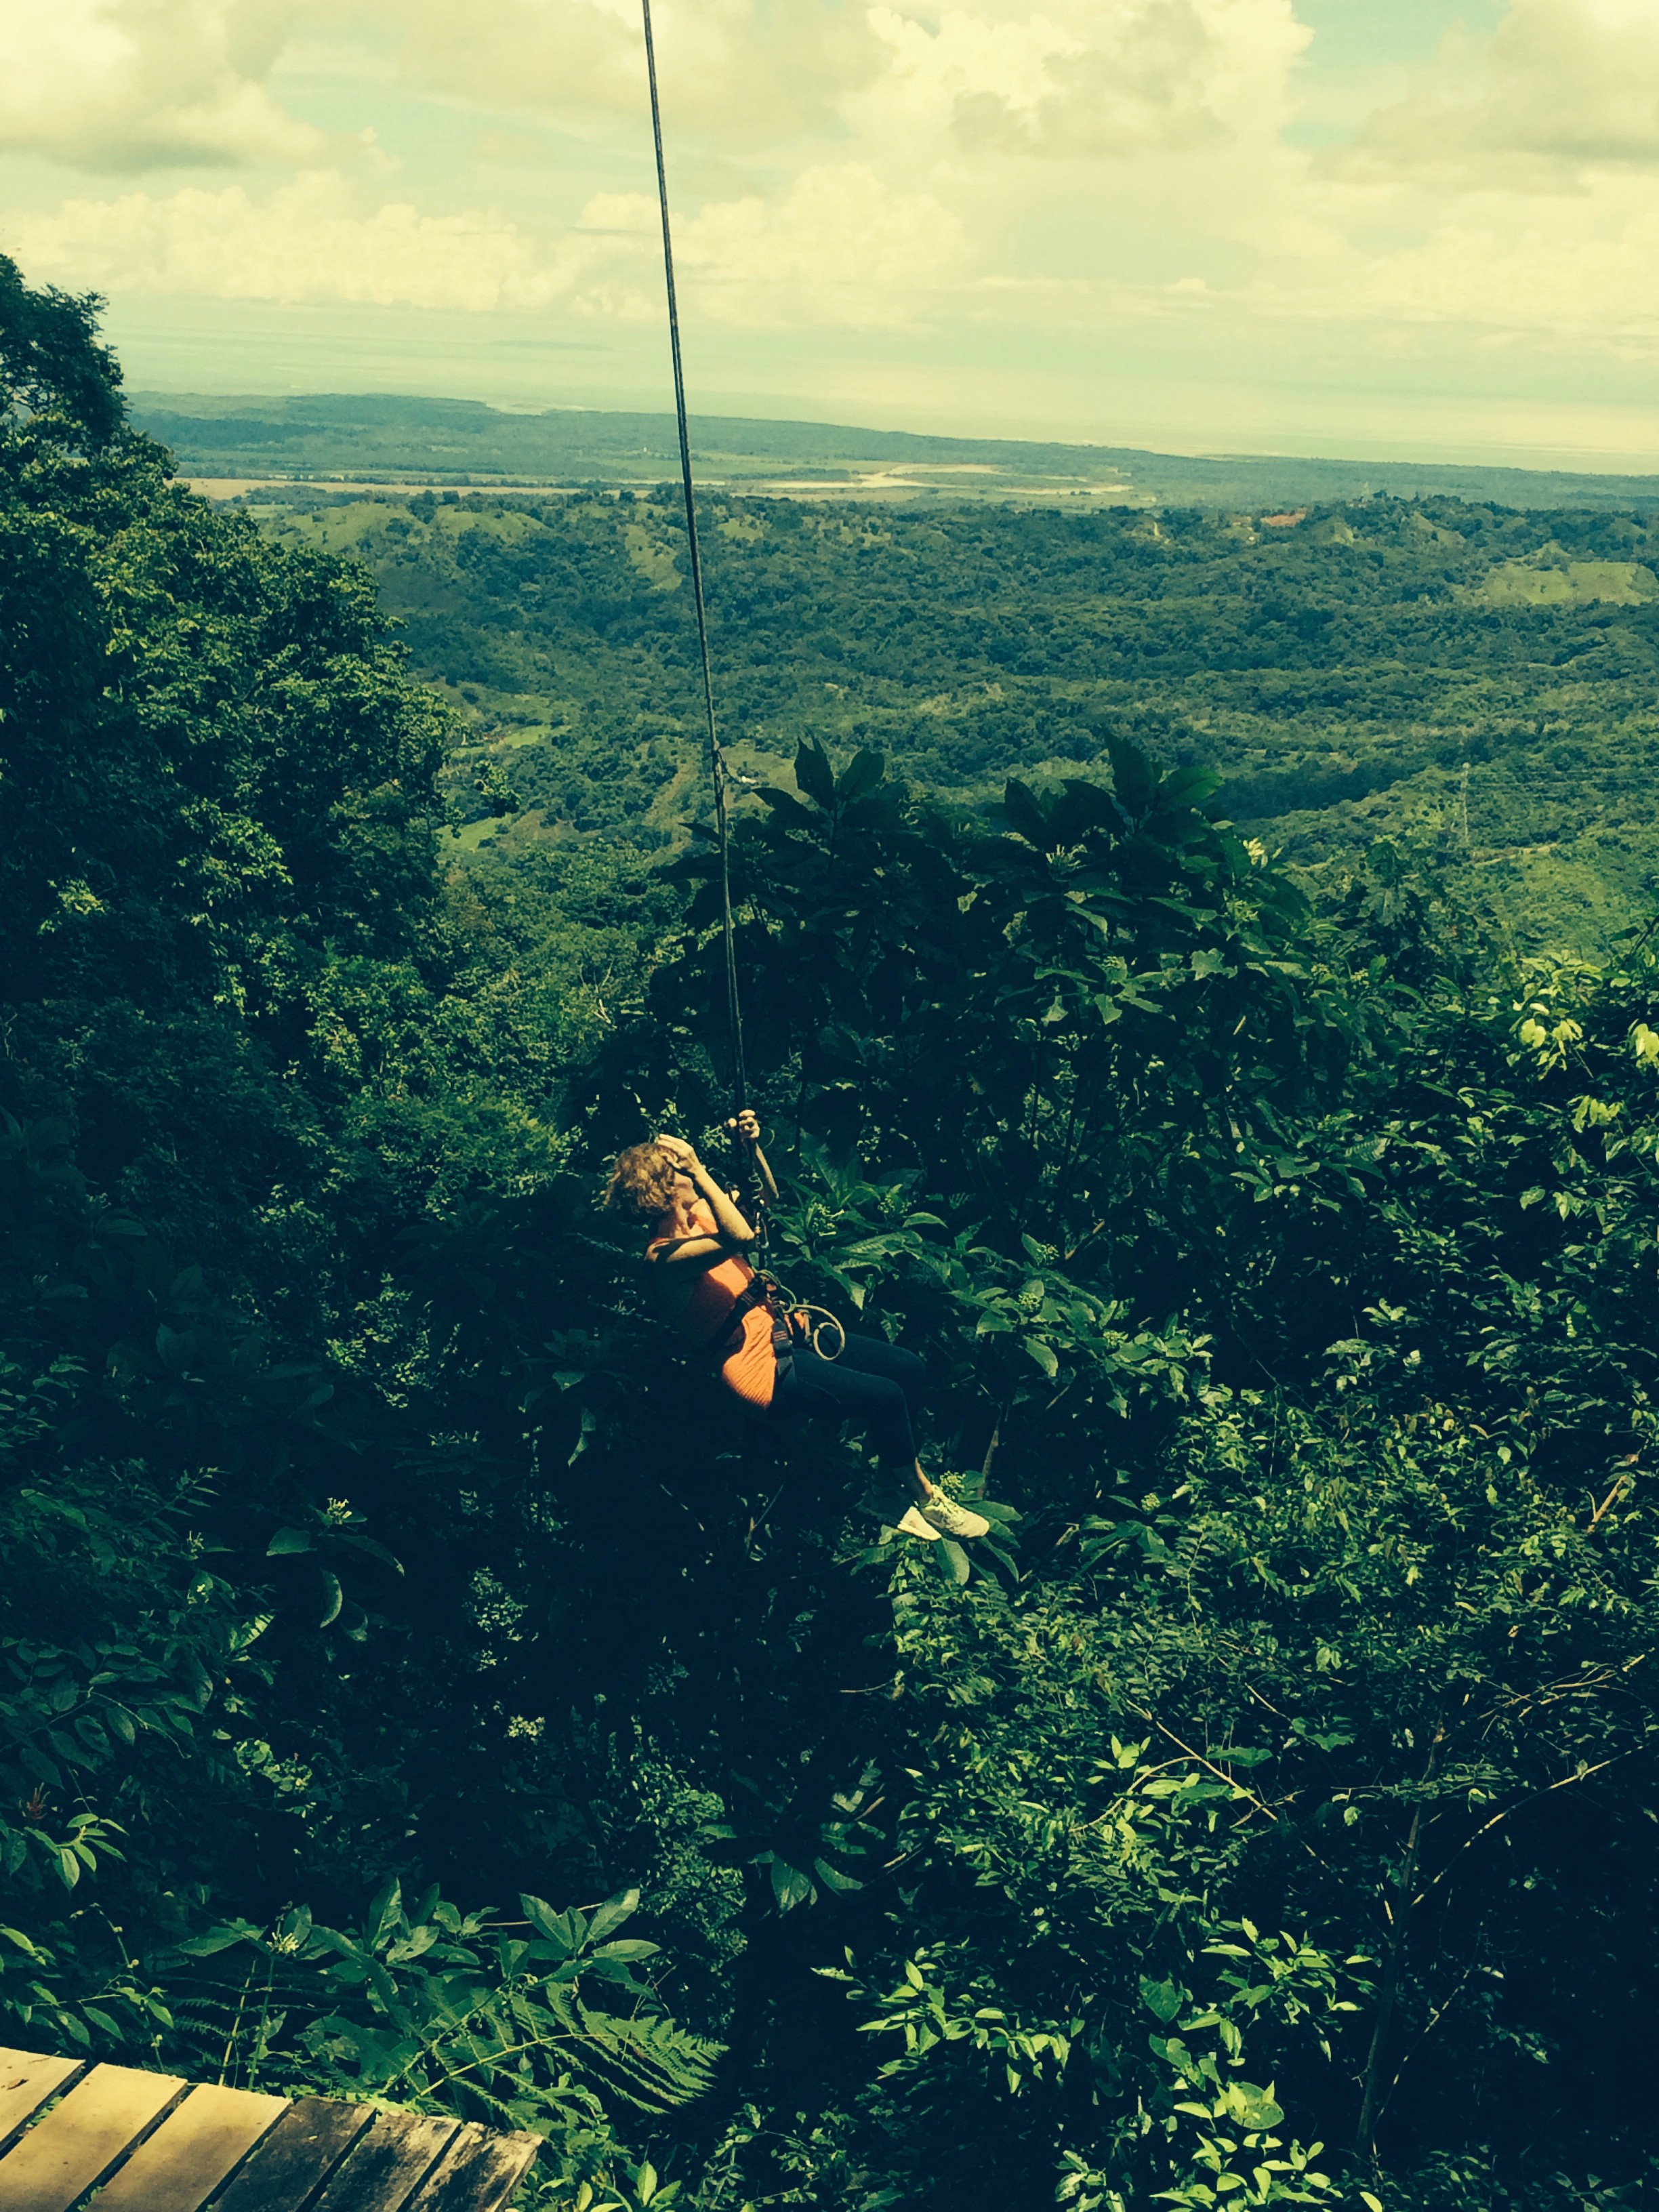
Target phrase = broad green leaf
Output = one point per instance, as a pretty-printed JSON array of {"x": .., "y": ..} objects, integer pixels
[
  {"x": 553, "y": 1927},
  {"x": 612, "y": 1913},
  {"x": 790, "y": 1887},
  {"x": 209, "y": 1944},
  {"x": 1023, "y": 813},
  {"x": 814, "y": 774},
  {"x": 1163, "y": 2000},
  {"x": 860, "y": 776},
  {"x": 950, "y": 1560},
  {"x": 333, "y": 1599},
  {"x": 833, "y": 1877},
  {"x": 386, "y": 1911}
]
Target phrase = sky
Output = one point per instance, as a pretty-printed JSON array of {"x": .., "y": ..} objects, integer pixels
[{"x": 1390, "y": 228}]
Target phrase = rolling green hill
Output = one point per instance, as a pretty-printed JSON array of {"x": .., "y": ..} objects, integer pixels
[
  {"x": 1476, "y": 678},
  {"x": 381, "y": 438}
]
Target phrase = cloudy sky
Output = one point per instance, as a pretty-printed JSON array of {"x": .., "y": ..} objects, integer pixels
[{"x": 1387, "y": 227}]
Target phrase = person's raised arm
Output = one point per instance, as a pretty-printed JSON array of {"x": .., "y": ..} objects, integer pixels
[
  {"x": 733, "y": 1231},
  {"x": 746, "y": 1129}
]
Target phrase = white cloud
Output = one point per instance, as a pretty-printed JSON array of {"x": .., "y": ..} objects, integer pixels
[
  {"x": 134, "y": 84},
  {"x": 1562, "y": 88},
  {"x": 1026, "y": 189},
  {"x": 1093, "y": 76},
  {"x": 305, "y": 242},
  {"x": 123, "y": 85},
  {"x": 1582, "y": 274},
  {"x": 736, "y": 73},
  {"x": 838, "y": 247}
]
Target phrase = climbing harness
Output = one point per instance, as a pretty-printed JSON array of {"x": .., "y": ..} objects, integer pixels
[
  {"x": 757, "y": 1294},
  {"x": 717, "y": 768},
  {"x": 794, "y": 1327}
]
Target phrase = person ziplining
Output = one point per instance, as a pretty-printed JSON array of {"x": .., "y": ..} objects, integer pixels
[
  {"x": 706, "y": 1285},
  {"x": 700, "y": 1241}
]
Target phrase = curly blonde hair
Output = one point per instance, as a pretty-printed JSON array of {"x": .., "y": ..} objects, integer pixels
[{"x": 643, "y": 1178}]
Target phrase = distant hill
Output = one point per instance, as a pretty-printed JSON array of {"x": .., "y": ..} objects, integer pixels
[
  {"x": 1477, "y": 681},
  {"x": 374, "y": 438}
]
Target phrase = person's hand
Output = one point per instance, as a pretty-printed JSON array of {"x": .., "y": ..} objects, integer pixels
[
  {"x": 678, "y": 1148},
  {"x": 747, "y": 1126}
]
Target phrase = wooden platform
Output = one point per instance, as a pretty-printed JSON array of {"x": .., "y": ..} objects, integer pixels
[{"x": 150, "y": 2142}]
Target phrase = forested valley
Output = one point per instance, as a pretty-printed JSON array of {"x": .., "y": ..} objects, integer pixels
[
  {"x": 1474, "y": 682},
  {"x": 419, "y": 1685}
]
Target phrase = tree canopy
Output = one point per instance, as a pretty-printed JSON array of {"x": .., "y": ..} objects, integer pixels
[{"x": 416, "y": 1680}]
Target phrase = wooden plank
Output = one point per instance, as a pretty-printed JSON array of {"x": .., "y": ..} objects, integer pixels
[
  {"x": 200, "y": 2142},
  {"x": 479, "y": 2173},
  {"x": 26, "y": 2080},
  {"x": 78, "y": 2141},
  {"x": 288, "y": 2171},
  {"x": 388, "y": 2164}
]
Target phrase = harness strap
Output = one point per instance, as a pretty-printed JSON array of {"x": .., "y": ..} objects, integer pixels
[{"x": 755, "y": 1294}]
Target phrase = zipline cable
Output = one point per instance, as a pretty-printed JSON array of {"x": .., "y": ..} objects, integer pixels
[{"x": 716, "y": 758}]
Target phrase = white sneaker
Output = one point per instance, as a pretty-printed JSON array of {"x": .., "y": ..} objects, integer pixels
[
  {"x": 896, "y": 1512},
  {"x": 949, "y": 1519}
]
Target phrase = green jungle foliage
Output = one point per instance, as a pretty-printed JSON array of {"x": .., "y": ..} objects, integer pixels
[
  {"x": 418, "y": 1682},
  {"x": 1476, "y": 682}
]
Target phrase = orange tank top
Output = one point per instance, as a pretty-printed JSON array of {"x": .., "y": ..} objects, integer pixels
[{"x": 749, "y": 1368}]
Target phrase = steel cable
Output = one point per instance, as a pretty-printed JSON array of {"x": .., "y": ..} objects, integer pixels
[{"x": 716, "y": 758}]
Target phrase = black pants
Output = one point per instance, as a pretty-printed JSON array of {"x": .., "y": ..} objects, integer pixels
[{"x": 874, "y": 1384}]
